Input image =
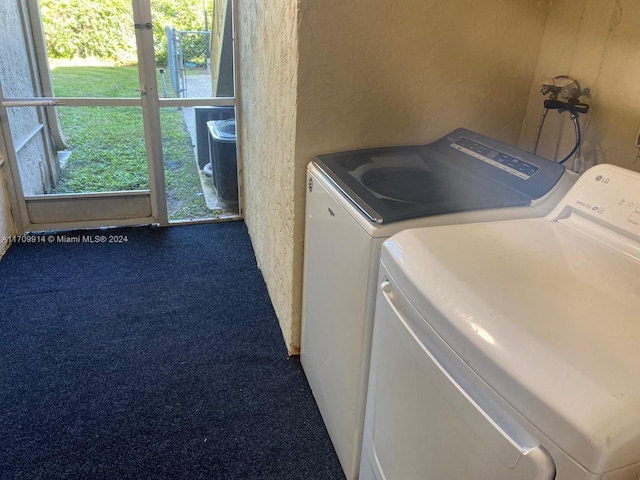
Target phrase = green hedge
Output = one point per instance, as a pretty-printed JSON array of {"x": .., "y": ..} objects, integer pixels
[{"x": 104, "y": 29}]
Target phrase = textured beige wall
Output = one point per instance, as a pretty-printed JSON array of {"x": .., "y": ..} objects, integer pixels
[
  {"x": 6, "y": 221},
  {"x": 379, "y": 72},
  {"x": 268, "y": 73},
  {"x": 345, "y": 74},
  {"x": 598, "y": 43}
]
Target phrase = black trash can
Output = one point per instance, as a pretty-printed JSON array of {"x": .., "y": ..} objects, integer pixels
[{"x": 224, "y": 162}]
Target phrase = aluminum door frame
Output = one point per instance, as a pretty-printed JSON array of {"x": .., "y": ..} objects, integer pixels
[{"x": 92, "y": 210}]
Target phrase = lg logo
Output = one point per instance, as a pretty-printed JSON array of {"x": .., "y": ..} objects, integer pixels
[{"x": 602, "y": 179}]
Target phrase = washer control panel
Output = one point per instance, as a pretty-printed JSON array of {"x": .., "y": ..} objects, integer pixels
[{"x": 508, "y": 163}]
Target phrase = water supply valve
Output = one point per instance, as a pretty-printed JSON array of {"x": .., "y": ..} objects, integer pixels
[{"x": 564, "y": 94}]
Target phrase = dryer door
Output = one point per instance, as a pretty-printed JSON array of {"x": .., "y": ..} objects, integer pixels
[{"x": 429, "y": 416}]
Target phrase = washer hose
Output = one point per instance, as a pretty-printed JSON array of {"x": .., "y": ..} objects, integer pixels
[
  {"x": 576, "y": 126},
  {"x": 574, "y": 110}
]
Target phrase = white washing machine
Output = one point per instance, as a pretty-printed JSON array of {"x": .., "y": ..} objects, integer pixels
[
  {"x": 509, "y": 350},
  {"x": 356, "y": 200}
]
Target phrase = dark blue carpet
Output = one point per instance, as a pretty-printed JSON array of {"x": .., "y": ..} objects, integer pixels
[{"x": 158, "y": 358}]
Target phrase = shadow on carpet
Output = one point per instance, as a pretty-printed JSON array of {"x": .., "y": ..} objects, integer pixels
[{"x": 155, "y": 358}]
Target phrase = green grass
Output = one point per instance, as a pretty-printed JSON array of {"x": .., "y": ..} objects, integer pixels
[
  {"x": 181, "y": 175},
  {"x": 94, "y": 81},
  {"x": 107, "y": 143},
  {"x": 107, "y": 150}
]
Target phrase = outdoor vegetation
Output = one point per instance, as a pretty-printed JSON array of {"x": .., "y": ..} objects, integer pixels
[
  {"x": 91, "y": 47},
  {"x": 104, "y": 29},
  {"x": 107, "y": 143}
]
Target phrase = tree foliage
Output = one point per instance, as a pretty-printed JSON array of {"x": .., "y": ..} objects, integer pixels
[
  {"x": 89, "y": 28},
  {"x": 185, "y": 15},
  {"x": 104, "y": 29}
]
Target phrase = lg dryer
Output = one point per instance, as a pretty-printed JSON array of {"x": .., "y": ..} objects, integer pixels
[
  {"x": 356, "y": 200},
  {"x": 509, "y": 350}
]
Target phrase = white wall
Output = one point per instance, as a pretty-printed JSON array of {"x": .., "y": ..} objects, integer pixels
[
  {"x": 598, "y": 43},
  {"x": 336, "y": 75}
]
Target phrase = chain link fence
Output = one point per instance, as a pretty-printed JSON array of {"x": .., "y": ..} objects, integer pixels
[{"x": 189, "y": 64}]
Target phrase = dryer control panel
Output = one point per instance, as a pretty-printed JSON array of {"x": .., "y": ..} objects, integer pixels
[{"x": 607, "y": 194}]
